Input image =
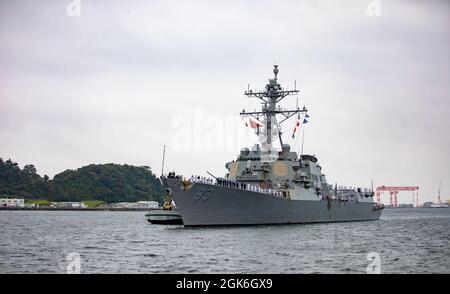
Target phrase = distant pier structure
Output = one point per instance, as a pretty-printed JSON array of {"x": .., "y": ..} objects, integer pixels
[{"x": 394, "y": 190}]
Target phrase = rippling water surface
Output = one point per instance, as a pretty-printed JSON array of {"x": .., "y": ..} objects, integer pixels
[{"x": 407, "y": 240}]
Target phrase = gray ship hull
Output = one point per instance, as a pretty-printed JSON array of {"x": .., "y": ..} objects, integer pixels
[{"x": 206, "y": 205}]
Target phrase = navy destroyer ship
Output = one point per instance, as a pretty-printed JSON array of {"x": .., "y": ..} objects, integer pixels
[{"x": 269, "y": 186}]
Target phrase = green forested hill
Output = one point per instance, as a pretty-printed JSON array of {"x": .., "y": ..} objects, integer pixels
[
  {"x": 22, "y": 182},
  {"x": 106, "y": 182}
]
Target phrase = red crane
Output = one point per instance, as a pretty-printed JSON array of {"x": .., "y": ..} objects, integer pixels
[{"x": 393, "y": 191}]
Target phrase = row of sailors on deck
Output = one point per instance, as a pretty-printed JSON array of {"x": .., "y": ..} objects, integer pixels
[
  {"x": 352, "y": 189},
  {"x": 203, "y": 180},
  {"x": 235, "y": 185}
]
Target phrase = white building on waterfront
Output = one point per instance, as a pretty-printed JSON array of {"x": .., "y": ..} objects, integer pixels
[
  {"x": 147, "y": 204},
  {"x": 12, "y": 202},
  {"x": 70, "y": 205},
  {"x": 139, "y": 204}
]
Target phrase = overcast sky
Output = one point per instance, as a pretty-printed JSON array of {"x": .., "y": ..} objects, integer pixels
[{"x": 122, "y": 79}]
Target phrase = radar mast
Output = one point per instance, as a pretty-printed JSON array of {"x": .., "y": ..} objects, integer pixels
[{"x": 270, "y": 97}]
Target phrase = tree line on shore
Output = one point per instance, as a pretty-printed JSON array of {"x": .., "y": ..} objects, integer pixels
[{"x": 110, "y": 183}]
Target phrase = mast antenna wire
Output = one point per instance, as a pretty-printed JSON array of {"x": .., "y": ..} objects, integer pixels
[
  {"x": 303, "y": 140},
  {"x": 164, "y": 156}
]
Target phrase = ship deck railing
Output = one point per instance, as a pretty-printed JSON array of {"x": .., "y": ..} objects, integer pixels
[
  {"x": 343, "y": 193},
  {"x": 238, "y": 186}
]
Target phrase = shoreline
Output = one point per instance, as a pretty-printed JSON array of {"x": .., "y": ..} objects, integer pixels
[{"x": 73, "y": 209}]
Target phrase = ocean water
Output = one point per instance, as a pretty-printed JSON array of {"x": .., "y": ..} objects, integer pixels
[{"x": 405, "y": 240}]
